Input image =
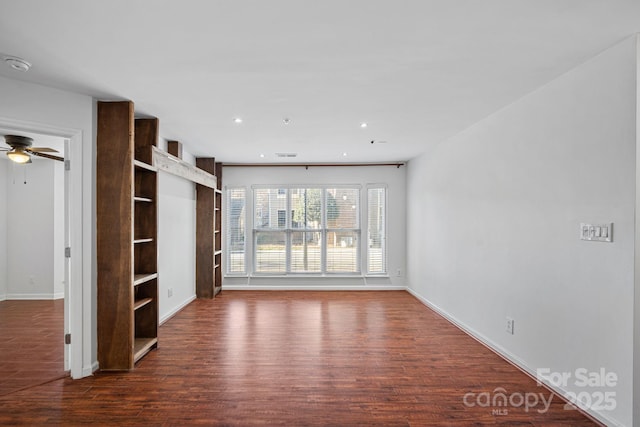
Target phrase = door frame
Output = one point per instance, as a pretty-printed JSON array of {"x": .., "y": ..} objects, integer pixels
[{"x": 74, "y": 216}]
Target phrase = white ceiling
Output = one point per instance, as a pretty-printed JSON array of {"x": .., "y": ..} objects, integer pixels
[{"x": 417, "y": 71}]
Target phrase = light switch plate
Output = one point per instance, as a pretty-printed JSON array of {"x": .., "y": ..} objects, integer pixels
[{"x": 596, "y": 232}]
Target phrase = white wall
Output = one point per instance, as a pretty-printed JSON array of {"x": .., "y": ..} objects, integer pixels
[
  {"x": 41, "y": 108},
  {"x": 494, "y": 218},
  {"x": 176, "y": 242},
  {"x": 393, "y": 177},
  {"x": 31, "y": 230},
  {"x": 3, "y": 229}
]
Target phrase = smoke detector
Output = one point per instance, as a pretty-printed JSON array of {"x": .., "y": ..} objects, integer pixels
[{"x": 16, "y": 63}]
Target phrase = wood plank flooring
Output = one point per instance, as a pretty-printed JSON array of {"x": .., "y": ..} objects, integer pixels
[
  {"x": 296, "y": 359},
  {"x": 31, "y": 347}
]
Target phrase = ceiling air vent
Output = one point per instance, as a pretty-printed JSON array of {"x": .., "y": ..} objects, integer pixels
[{"x": 287, "y": 155}]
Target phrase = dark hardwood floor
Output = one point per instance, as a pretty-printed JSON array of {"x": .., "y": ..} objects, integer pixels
[
  {"x": 31, "y": 347},
  {"x": 295, "y": 359}
]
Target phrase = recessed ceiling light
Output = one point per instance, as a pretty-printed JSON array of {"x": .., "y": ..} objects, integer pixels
[
  {"x": 344, "y": 154},
  {"x": 262, "y": 156},
  {"x": 237, "y": 120},
  {"x": 363, "y": 125},
  {"x": 286, "y": 120},
  {"x": 17, "y": 64}
]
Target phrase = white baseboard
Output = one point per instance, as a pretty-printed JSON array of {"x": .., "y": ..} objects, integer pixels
[
  {"x": 34, "y": 296},
  {"x": 509, "y": 357},
  {"x": 89, "y": 370},
  {"x": 3, "y": 297},
  {"x": 176, "y": 309},
  {"x": 312, "y": 288}
]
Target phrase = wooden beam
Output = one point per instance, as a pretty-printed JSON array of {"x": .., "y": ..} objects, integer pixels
[
  {"x": 175, "y": 166},
  {"x": 205, "y": 220}
]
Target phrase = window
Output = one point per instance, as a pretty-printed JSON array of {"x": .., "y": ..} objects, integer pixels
[
  {"x": 235, "y": 230},
  {"x": 321, "y": 235},
  {"x": 307, "y": 230},
  {"x": 282, "y": 218},
  {"x": 376, "y": 230},
  {"x": 343, "y": 230}
]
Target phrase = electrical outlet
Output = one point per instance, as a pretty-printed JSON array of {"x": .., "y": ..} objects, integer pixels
[
  {"x": 510, "y": 325},
  {"x": 399, "y": 273},
  {"x": 170, "y": 292}
]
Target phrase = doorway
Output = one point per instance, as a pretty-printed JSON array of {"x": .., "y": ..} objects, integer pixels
[{"x": 34, "y": 227}]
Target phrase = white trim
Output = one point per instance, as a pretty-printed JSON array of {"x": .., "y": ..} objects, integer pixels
[
  {"x": 635, "y": 412},
  {"x": 3, "y": 297},
  {"x": 312, "y": 288},
  {"x": 45, "y": 296},
  {"x": 509, "y": 357},
  {"x": 177, "y": 309},
  {"x": 91, "y": 369}
]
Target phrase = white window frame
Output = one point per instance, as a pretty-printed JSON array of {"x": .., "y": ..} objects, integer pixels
[
  {"x": 384, "y": 239},
  {"x": 226, "y": 230},
  {"x": 289, "y": 230}
]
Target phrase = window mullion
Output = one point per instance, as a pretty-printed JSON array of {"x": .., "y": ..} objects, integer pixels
[
  {"x": 323, "y": 227},
  {"x": 288, "y": 226}
]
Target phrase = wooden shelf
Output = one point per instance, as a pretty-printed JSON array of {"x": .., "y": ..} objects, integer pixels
[
  {"x": 142, "y": 165},
  {"x": 141, "y": 346},
  {"x": 141, "y": 303},
  {"x": 143, "y": 241},
  {"x": 126, "y": 207},
  {"x": 209, "y": 231},
  {"x": 139, "y": 279}
]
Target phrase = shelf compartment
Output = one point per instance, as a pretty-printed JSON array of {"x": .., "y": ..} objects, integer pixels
[
  {"x": 142, "y": 346},
  {"x": 145, "y": 166},
  {"x": 141, "y": 303},
  {"x": 139, "y": 279}
]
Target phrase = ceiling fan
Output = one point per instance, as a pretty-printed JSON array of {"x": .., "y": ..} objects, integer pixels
[{"x": 21, "y": 149}]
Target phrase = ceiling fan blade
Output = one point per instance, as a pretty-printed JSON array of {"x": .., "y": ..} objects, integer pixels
[
  {"x": 47, "y": 156},
  {"x": 42, "y": 150}
]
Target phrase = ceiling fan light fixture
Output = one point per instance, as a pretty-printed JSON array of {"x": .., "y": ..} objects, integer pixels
[{"x": 18, "y": 155}]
